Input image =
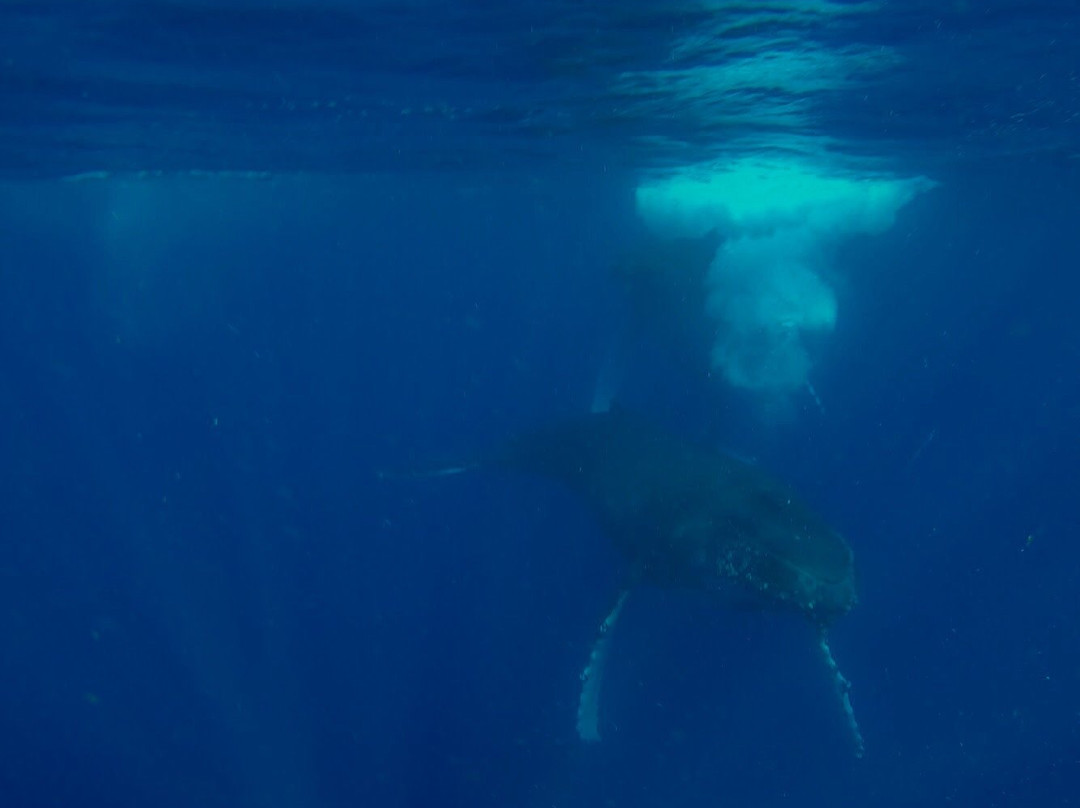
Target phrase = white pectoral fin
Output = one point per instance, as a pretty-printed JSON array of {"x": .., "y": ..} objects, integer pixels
[
  {"x": 843, "y": 690},
  {"x": 588, "y": 714},
  {"x": 427, "y": 474}
]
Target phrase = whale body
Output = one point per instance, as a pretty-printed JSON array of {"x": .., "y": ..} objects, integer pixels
[{"x": 691, "y": 517}]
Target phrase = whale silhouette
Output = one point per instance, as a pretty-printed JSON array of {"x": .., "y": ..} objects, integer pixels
[
  {"x": 665, "y": 284},
  {"x": 687, "y": 516}
]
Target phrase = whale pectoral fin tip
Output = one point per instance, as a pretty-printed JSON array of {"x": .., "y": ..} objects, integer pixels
[
  {"x": 843, "y": 691},
  {"x": 442, "y": 471},
  {"x": 588, "y": 714},
  {"x": 588, "y": 735}
]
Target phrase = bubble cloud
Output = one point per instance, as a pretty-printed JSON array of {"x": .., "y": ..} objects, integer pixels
[{"x": 768, "y": 287}]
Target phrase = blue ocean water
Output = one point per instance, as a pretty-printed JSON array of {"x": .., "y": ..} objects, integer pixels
[{"x": 253, "y": 254}]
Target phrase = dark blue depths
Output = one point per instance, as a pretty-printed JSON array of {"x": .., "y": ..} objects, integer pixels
[{"x": 209, "y": 598}]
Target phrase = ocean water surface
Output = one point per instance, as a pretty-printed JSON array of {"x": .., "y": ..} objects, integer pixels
[{"x": 264, "y": 265}]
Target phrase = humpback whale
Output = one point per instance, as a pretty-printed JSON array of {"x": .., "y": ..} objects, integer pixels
[
  {"x": 713, "y": 317},
  {"x": 665, "y": 284},
  {"x": 687, "y": 516}
]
